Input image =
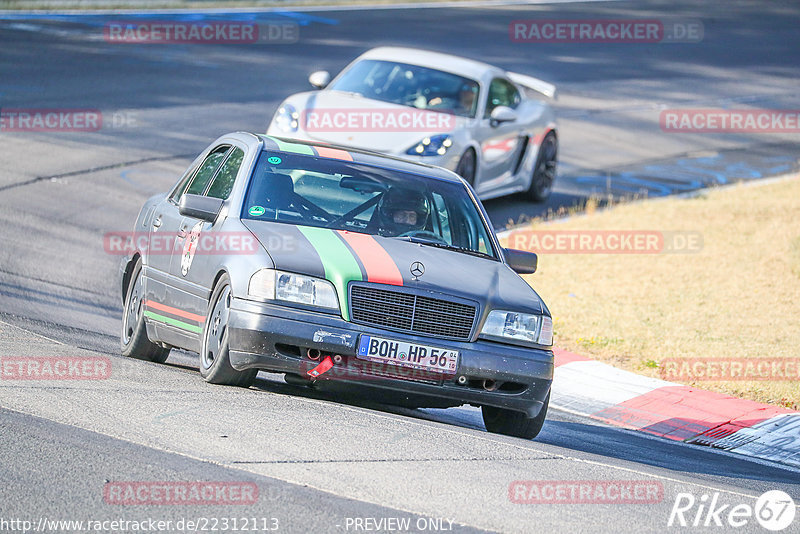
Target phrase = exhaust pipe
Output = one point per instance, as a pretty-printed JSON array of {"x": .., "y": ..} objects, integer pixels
[
  {"x": 313, "y": 354},
  {"x": 337, "y": 358},
  {"x": 490, "y": 385}
]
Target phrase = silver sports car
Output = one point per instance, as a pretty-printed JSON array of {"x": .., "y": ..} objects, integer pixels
[{"x": 494, "y": 128}]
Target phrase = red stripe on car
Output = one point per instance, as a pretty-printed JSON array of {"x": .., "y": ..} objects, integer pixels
[
  {"x": 333, "y": 153},
  {"x": 380, "y": 267},
  {"x": 174, "y": 311}
]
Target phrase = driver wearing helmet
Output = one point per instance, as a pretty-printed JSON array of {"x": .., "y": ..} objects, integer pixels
[
  {"x": 467, "y": 97},
  {"x": 403, "y": 210}
]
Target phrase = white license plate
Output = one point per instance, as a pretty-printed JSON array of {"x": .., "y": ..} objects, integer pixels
[{"x": 377, "y": 349}]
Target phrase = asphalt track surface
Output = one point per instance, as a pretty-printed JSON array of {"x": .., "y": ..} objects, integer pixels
[{"x": 321, "y": 460}]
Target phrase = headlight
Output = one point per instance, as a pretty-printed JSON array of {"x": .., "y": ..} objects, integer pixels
[
  {"x": 436, "y": 145},
  {"x": 277, "y": 285},
  {"x": 287, "y": 119},
  {"x": 524, "y": 327}
]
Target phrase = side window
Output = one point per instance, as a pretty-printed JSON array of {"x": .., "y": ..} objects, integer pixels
[
  {"x": 223, "y": 184},
  {"x": 178, "y": 191},
  {"x": 206, "y": 170},
  {"x": 501, "y": 93}
]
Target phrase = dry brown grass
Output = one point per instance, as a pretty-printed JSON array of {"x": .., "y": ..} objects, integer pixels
[{"x": 739, "y": 297}]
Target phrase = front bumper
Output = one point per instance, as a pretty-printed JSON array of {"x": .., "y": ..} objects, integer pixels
[{"x": 276, "y": 338}]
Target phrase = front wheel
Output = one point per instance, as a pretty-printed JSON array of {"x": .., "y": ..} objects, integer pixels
[
  {"x": 511, "y": 423},
  {"x": 215, "y": 364},
  {"x": 135, "y": 343},
  {"x": 544, "y": 172}
]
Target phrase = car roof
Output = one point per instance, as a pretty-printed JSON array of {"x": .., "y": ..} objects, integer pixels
[
  {"x": 324, "y": 150},
  {"x": 435, "y": 60}
]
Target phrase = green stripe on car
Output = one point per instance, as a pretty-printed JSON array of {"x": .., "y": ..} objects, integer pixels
[
  {"x": 174, "y": 322},
  {"x": 339, "y": 263},
  {"x": 293, "y": 147}
]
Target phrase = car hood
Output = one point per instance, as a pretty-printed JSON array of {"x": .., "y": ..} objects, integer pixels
[
  {"x": 343, "y": 257},
  {"x": 386, "y": 127}
]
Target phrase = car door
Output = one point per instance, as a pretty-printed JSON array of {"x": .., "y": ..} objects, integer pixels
[
  {"x": 162, "y": 234},
  {"x": 173, "y": 325},
  {"x": 500, "y": 143},
  {"x": 205, "y": 245}
]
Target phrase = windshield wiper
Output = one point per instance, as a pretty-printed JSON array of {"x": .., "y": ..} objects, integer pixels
[{"x": 437, "y": 244}]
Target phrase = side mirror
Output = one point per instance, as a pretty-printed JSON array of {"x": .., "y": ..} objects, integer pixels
[
  {"x": 521, "y": 261},
  {"x": 502, "y": 114},
  {"x": 320, "y": 79},
  {"x": 200, "y": 207}
]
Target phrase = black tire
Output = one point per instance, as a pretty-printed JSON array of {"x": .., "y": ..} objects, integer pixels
[
  {"x": 215, "y": 364},
  {"x": 134, "y": 340},
  {"x": 511, "y": 423},
  {"x": 544, "y": 172},
  {"x": 467, "y": 165}
]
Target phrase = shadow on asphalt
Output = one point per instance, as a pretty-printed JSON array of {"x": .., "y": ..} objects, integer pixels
[
  {"x": 639, "y": 448},
  {"x": 592, "y": 439},
  {"x": 516, "y": 209}
]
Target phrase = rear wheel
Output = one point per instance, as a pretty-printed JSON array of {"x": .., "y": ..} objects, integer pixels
[
  {"x": 544, "y": 172},
  {"x": 512, "y": 423},
  {"x": 215, "y": 364},
  {"x": 467, "y": 166},
  {"x": 135, "y": 343}
]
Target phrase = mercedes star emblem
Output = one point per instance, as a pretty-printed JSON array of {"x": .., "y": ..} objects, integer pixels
[{"x": 417, "y": 269}]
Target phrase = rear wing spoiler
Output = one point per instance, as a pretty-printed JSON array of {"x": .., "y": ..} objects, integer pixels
[{"x": 540, "y": 86}]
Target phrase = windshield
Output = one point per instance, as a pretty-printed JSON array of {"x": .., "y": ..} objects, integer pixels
[
  {"x": 411, "y": 85},
  {"x": 343, "y": 195}
]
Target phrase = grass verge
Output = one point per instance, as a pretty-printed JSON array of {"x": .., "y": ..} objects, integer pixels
[{"x": 737, "y": 296}]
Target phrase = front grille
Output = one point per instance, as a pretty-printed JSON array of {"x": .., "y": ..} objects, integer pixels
[{"x": 411, "y": 313}]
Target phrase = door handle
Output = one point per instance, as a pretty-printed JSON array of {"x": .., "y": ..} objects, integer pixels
[
  {"x": 157, "y": 222},
  {"x": 183, "y": 232}
]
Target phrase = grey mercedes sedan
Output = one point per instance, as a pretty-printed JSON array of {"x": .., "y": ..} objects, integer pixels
[{"x": 333, "y": 265}]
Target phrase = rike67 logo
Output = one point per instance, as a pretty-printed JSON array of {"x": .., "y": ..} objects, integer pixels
[{"x": 774, "y": 510}]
